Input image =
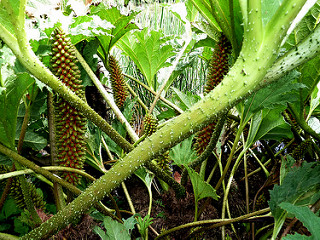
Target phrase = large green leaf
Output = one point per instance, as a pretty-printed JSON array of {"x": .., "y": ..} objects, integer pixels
[
  {"x": 298, "y": 236},
  {"x": 273, "y": 96},
  {"x": 186, "y": 99},
  {"x": 201, "y": 188},
  {"x": 219, "y": 18},
  {"x": 85, "y": 27},
  {"x": 33, "y": 140},
  {"x": 150, "y": 51},
  {"x": 299, "y": 187},
  {"x": 268, "y": 124},
  {"x": 122, "y": 24},
  {"x": 10, "y": 96},
  {"x": 306, "y": 216},
  {"x": 183, "y": 153},
  {"x": 305, "y": 26},
  {"x": 205, "y": 10},
  {"x": 5, "y": 23},
  {"x": 115, "y": 230}
]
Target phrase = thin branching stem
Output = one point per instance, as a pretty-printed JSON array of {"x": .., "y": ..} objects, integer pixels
[
  {"x": 175, "y": 107},
  {"x": 214, "y": 223}
]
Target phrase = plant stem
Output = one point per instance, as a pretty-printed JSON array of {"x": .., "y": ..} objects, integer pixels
[
  {"x": 175, "y": 107},
  {"x": 57, "y": 188},
  {"x": 172, "y": 67},
  {"x": 5, "y": 236},
  {"x": 260, "y": 163},
  {"x": 137, "y": 97},
  {"x": 48, "y": 168},
  {"x": 214, "y": 223},
  {"x": 105, "y": 94},
  {"x": 6, "y": 189},
  {"x": 234, "y": 147},
  {"x": 302, "y": 123},
  {"x": 246, "y": 181},
  {"x": 24, "y": 186}
]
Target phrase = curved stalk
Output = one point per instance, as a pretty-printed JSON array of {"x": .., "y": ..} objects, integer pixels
[
  {"x": 49, "y": 168},
  {"x": 213, "y": 222}
]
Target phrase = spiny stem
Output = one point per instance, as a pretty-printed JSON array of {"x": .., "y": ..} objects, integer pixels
[
  {"x": 212, "y": 144},
  {"x": 57, "y": 189}
]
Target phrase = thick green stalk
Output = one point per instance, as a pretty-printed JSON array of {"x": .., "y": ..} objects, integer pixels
[
  {"x": 5, "y": 236},
  {"x": 254, "y": 20}
]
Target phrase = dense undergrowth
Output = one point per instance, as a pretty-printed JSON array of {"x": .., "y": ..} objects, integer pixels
[{"x": 189, "y": 120}]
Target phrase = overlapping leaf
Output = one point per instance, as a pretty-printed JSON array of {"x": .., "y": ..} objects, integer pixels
[
  {"x": 268, "y": 124},
  {"x": 10, "y": 96},
  {"x": 201, "y": 188},
  {"x": 274, "y": 95},
  {"x": 85, "y": 27},
  {"x": 183, "y": 153},
  {"x": 122, "y": 24},
  {"x": 298, "y": 187},
  {"x": 307, "y": 217},
  {"x": 150, "y": 51}
]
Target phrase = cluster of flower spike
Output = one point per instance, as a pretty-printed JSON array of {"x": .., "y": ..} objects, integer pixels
[
  {"x": 119, "y": 88},
  {"x": 16, "y": 191},
  {"x": 218, "y": 67},
  {"x": 150, "y": 124},
  {"x": 70, "y": 123}
]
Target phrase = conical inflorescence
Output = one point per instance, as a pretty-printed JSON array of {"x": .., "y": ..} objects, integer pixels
[
  {"x": 150, "y": 124},
  {"x": 119, "y": 88},
  {"x": 16, "y": 191},
  {"x": 218, "y": 68},
  {"x": 70, "y": 123}
]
